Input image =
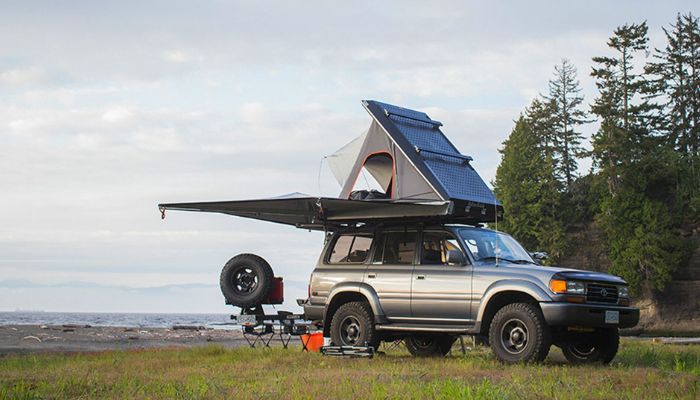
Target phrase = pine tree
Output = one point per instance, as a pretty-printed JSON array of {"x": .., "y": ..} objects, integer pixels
[
  {"x": 526, "y": 185},
  {"x": 565, "y": 98},
  {"x": 676, "y": 82},
  {"x": 540, "y": 117},
  {"x": 618, "y": 142},
  {"x": 643, "y": 247}
]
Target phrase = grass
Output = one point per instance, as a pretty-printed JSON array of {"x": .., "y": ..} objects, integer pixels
[{"x": 642, "y": 370}]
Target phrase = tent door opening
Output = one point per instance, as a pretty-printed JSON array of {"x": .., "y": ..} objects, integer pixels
[{"x": 377, "y": 174}]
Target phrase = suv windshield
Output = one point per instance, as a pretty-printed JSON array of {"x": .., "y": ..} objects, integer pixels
[{"x": 488, "y": 245}]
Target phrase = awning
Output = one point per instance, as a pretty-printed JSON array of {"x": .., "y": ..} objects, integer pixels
[{"x": 317, "y": 213}]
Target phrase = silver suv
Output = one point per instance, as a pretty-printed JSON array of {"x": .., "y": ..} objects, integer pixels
[{"x": 428, "y": 284}]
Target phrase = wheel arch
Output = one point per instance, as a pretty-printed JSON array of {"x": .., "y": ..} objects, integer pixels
[
  {"x": 503, "y": 293},
  {"x": 346, "y": 292}
]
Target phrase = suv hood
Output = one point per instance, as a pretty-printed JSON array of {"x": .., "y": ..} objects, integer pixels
[{"x": 581, "y": 275}]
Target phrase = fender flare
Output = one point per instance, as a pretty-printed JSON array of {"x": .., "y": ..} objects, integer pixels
[
  {"x": 361, "y": 288},
  {"x": 512, "y": 285}
]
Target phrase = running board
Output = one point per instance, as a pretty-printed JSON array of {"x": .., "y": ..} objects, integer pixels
[{"x": 426, "y": 328}]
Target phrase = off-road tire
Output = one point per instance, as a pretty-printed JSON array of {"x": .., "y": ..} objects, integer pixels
[
  {"x": 598, "y": 347},
  {"x": 246, "y": 280},
  {"x": 519, "y": 333},
  {"x": 429, "y": 345},
  {"x": 353, "y": 325}
]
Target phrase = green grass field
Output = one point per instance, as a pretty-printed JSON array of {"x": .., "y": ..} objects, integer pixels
[{"x": 642, "y": 370}]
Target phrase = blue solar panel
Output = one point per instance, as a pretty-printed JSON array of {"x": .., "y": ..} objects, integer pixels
[{"x": 440, "y": 156}]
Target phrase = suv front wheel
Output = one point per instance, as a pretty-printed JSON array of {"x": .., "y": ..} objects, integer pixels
[
  {"x": 519, "y": 333},
  {"x": 353, "y": 325}
]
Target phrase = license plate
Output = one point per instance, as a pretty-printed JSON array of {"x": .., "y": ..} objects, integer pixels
[{"x": 612, "y": 317}]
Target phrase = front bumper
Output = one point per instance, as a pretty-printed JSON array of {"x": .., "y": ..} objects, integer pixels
[{"x": 587, "y": 315}]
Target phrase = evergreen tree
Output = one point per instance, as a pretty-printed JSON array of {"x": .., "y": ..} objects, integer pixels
[
  {"x": 634, "y": 213},
  {"x": 565, "y": 99},
  {"x": 618, "y": 142},
  {"x": 540, "y": 117},
  {"x": 526, "y": 185},
  {"x": 676, "y": 81}
]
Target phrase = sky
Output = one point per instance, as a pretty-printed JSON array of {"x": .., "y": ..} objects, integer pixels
[{"x": 108, "y": 108}]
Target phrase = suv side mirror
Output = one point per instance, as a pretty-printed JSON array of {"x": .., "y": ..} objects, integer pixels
[
  {"x": 539, "y": 256},
  {"x": 455, "y": 257}
]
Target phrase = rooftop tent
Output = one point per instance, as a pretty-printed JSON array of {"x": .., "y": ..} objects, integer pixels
[
  {"x": 407, "y": 149},
  {"x": 418, "y": 168}
]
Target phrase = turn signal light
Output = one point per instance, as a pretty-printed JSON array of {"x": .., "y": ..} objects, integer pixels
[{"x": 557, "y": 286}]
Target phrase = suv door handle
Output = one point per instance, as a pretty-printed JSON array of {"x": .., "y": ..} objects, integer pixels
[
  {"x": 420, "y": 277},
  {"x": 371, "y": 275}
]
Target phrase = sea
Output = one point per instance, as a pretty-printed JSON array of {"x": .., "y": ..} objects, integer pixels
[{"x": 135, "y": 320}]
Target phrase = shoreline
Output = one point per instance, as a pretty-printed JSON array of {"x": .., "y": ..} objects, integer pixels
[{"x": 68, "y": 338}]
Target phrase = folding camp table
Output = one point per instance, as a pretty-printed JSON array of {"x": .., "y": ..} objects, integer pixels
[{"x": 262, "y": 328}]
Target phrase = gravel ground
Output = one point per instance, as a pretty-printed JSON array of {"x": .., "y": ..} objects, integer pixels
[{"x": 69, "y": 338}]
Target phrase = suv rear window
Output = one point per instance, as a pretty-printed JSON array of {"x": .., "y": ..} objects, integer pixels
[{"x": 350, "y": 249}]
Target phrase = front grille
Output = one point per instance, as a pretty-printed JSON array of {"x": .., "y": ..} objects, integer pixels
[{"x": 601, "y": 293}]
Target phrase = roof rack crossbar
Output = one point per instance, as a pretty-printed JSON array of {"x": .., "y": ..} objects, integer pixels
[
  {"x": 464, "y": 158},
  {"x": 425, "y": 120}
]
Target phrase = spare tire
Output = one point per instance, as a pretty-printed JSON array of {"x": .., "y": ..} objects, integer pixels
[{"x": 246, "y": 280}]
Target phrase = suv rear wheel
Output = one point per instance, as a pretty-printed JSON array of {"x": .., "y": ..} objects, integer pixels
[
  {"x": 519, "y": 333},
  {"x": 353, "y": 325},
  {"x": 598, "y": 347},
  {"x": 429, "y": 345}
]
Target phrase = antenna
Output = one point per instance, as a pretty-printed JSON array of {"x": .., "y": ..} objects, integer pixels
[
  {"x": 320, "y": 166},
  {"x": 495, "y": 217}
]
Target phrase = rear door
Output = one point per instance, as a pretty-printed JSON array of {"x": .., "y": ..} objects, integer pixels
[
  {"x": 441, "y": 293},
  {"x": 389, "y": 272}
]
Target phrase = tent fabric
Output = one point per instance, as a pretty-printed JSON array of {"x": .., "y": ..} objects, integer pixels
[
  {"x": 406, "y": 179},
  {"x": 342, "y": 161},
  {"x": 316, "y": 213},
  {"x": 426, "y": 165}
]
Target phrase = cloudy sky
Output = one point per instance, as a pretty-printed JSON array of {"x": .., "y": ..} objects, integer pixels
[{"x": 107, "y": 109}]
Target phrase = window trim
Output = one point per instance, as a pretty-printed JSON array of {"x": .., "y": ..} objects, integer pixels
[
  {"x": 379, "y": 234},
  {"x": 329, "y": 252},
  {"x": 456, "y": 238}
]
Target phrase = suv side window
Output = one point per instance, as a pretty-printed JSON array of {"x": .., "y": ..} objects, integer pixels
[
  {"x": 395, "y": 248},
  {"x": 435, "y": 247},
  {"x": 350, "y": 249}
]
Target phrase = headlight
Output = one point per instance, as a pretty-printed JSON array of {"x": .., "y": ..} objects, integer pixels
[
  {"x": 575, "y": 287},
  {"x": 567, "y": 287},
  {"x": 623, "y": 291}
]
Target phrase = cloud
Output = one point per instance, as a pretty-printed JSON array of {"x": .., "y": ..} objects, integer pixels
[
  {"x": 22, "y": 76},
  {"x": 105, "y": 112}
]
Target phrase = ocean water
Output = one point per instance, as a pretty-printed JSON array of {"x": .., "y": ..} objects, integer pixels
[{"x": 217, "y": 321}]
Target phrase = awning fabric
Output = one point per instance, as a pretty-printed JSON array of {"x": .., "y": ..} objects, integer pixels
[{"x": 317, "y": 213}]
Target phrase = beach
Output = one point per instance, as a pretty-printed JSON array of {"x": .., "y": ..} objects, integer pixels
[{"x": 16, "y": 339}]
